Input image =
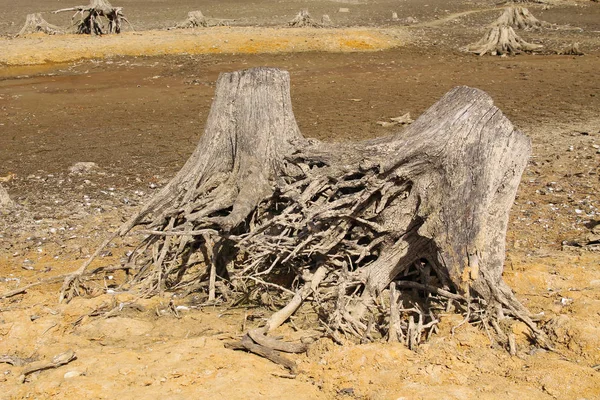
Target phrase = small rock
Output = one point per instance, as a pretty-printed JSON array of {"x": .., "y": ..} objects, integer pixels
[
  {"x": 82, "y": 167},
  {"x": 72, "y": 374},
  {"x": 344, "y": 10}
]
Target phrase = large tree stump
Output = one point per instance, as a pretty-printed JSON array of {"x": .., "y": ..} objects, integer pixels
[
  {"x": 258, "y": 208},
  {"x": 90, "y": 21}
]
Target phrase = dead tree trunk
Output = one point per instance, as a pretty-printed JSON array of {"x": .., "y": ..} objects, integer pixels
[
  {"x": 264, "y": 210},
  {"x": 91, "y": 21},
  {"x": 36, "y": 23},
  {"x": 501, "y": 40},
  {"x": 519, "y": 18}
]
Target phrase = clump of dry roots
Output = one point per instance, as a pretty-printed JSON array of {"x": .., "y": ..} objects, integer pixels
[
  {"x": 376, "y": 236},
  {"x": 196, "y": 19},
  {"x": 304, "y": 20},
  {"x": 92, "y": 18},
  {"x": 36, "y": 23},
  {"x": 572, "y": 50},
  {"x": 519, "y": 18},
  {"x": 501, "y": 40}
]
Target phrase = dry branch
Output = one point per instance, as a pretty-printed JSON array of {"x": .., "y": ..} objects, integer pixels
[
  {"x": 57, "y": 361},
  {"x": 501, "y": 40},
  {"x": 36, "y": 23},
  {"x": 288, "y": 220}
]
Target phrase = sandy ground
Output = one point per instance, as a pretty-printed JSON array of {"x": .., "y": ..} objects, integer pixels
[{"x": 140, "y": 117}]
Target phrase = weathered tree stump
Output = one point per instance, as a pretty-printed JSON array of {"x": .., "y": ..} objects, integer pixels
[
  {"x": 520, "y": 18},
  {"x": 91, "y": 22},
  {"x": 258, "y": 210},
  {"x": 36, "y": 23},
  {"x": 5, "y": 200},
  {"x": 304, "y": 20},
  {"x": 196, "y": 19},
  {"x": 501, "y": 40}
]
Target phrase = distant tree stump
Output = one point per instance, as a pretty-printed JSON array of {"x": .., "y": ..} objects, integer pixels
[
  {"x": 196, "y": 19},
  {"x": 304, "y": 20},
  {"x": 36, "y": 23},
  {"x": 92, "y": 15},
  {"x": 5, "y": 200},
  {"x": 261, "y": 213},
  {"x": 501, "y": 40}
]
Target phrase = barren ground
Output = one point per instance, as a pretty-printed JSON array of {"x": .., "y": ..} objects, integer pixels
[{"x": 139, "y": 116}]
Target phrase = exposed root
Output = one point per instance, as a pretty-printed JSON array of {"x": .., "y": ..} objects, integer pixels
[
  {"x": 92, "y": 18},
  {"x": 246, "y": 343},
  {"x": 519, "y": 18},
  {"x": 36, "y": 23},
  {"x": 304, "y": 20},
  {"x": 501, "y": 40},
  {"x": 572, "y": 50}
]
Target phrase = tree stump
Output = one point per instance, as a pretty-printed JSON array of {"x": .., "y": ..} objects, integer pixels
[
  {"x": 520, "y": 18},
  {"x": 196, "y": 19},
  {"x": 36, "y": 23},
  {"x": 501, "y": 40},
  {"x": 5, "y": 200},
  {"x": 261, "y": 211},
  {"x": 91, "y": 22},
  {"x": 304, "y": 20}
]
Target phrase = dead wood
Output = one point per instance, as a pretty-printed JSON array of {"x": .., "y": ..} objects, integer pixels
[
  {"x": 501, "y": 40},
  {"x": 14, "y": 360},
  {"x": 285, "y": 220},
  {"x": 36, "y": 23},
  {"x": 304, "y": 20},
  {"x": 572, "y": 50},
  {"x": 519, "y": 18},
  {"x": 196, "y": 19},
  {"x": 5, "y": 200},
  {"x": 247, "y": 344},
  {"x": 546, "y": 2},
  {"x": 57, "y": 361},
  {"x": 91, "y": 18},
  {"x": 258, "y": 335}
]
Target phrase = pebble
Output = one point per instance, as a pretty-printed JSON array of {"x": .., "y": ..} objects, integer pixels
[{"x": 71, "y": 374}]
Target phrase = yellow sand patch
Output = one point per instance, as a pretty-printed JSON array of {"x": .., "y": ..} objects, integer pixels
[{"x": 41, "y": 49}]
